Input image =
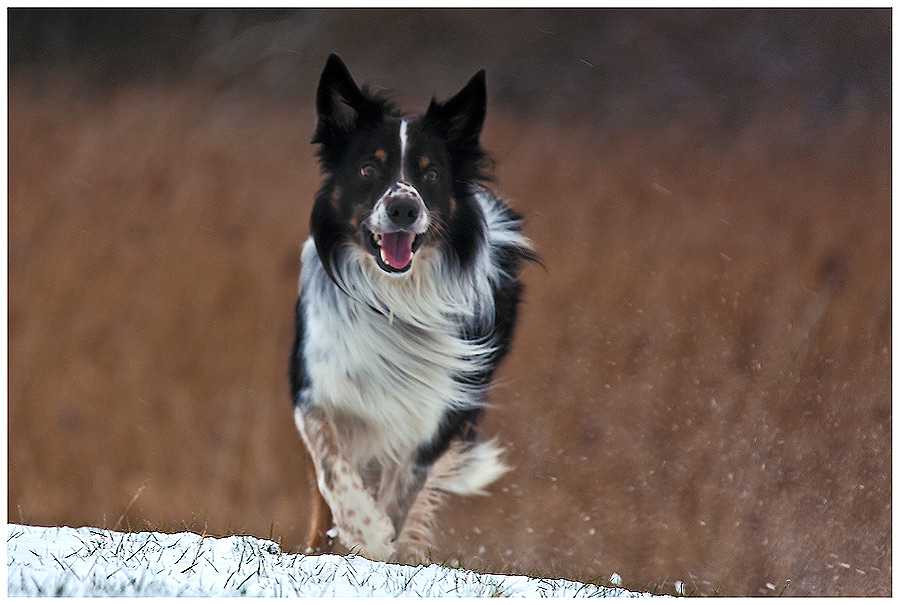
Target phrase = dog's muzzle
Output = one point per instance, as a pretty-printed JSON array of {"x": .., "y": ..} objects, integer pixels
[{"x": 397, "y": 223}]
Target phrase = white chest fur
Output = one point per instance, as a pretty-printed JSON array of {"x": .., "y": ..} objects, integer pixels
[
  {"x": 390, "y": 382},
  {"x": 384, "y": 354}
]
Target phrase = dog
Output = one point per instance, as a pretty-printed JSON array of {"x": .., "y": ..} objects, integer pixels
[{"x": 409, "y": 291}]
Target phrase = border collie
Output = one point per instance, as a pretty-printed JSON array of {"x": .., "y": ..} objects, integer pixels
[{"x": 409, "y": 290}]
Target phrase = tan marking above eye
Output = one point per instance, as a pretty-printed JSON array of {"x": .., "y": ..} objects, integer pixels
[
  {"x": 360, "y": 212},
  {"x": 381, "y": 154},
  {"x": 424, "y": 162}
]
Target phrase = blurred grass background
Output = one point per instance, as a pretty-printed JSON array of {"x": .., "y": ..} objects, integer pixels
[{"x": 700, "y": 390}]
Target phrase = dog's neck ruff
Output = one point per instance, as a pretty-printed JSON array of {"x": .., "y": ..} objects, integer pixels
[{"x": 390, "y": 350}]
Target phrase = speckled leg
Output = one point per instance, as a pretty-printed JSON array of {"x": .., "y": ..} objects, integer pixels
[{"x": 359, "y": 521}]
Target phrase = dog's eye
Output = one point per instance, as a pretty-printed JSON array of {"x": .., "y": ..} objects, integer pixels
[
  {"x": 368, "y": 171},
  {"x": 430, "y": 175}
]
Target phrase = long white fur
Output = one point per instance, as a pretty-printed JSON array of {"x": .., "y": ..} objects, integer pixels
[
  {"x": 383, "y": 350},
  {"x": 397, "y": 373}
]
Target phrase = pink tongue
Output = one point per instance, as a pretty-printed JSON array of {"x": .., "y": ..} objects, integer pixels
[{"x": 396, "y": 248}]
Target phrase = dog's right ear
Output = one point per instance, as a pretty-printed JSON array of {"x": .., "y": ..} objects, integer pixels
[{"x": 338, "y": 100}]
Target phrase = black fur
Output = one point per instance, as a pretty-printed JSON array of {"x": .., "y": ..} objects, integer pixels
[{"x": 356, "y": 129}]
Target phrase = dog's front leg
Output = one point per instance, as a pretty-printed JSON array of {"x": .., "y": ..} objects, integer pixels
[
  {"x": 320, "y": 521},
  {"x": 359, "y": 521}
]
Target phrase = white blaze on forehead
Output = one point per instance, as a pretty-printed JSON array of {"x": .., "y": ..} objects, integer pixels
[
  {"x": 403, "y": 128},
  {"x": 379, "y": 222},
  {"x": 404, "y": 125}
]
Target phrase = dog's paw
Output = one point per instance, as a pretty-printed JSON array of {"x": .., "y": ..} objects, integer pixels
[
  {"x": 321, "y": 543},
  {"x": 372, "y": 537}
]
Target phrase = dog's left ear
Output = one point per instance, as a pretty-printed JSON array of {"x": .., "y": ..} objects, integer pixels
[
  {"x": 339, "y": 101},
  {"x": 461, "y": 117}
]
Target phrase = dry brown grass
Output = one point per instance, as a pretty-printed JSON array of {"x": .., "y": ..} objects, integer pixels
[{"x": 700, "y": 389}]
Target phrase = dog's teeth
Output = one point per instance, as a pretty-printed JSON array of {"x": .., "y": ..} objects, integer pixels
[
  {"x": 384, "y": 256},
  {"x": 378, "y": 238}
]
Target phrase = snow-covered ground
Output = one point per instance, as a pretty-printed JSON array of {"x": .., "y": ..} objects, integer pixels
[{"x": 98, "y": 562}]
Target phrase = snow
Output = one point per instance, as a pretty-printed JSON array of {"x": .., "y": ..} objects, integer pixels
[{"x": 98, "y": 562}]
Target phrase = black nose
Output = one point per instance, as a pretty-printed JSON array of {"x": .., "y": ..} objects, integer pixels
[{"x": 403, "y": 211}]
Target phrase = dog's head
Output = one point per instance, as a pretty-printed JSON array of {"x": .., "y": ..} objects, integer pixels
[{"x": 395, "y": 185}]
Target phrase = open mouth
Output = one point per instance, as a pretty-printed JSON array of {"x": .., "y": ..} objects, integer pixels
[{"x": 394, "y": 251}]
